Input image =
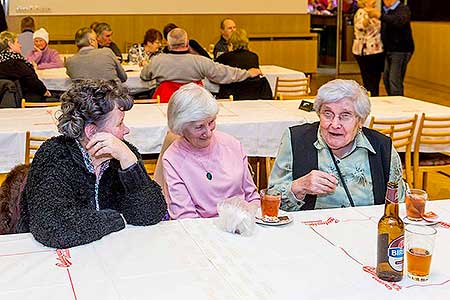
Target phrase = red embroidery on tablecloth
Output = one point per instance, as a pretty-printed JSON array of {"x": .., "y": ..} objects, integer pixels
[
  {"x": 63, "y": 258},
  {"x": 321, "y": 222},
  {"x": 389, "y": 285}
]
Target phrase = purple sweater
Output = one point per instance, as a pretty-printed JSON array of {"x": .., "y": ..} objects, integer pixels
[{"x": 45, "y": 59}]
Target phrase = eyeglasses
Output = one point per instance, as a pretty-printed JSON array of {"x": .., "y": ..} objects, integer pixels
[{"x": 344, "y": 117}]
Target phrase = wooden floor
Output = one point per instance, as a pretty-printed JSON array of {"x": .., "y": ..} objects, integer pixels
[{"x": 438, "y": 185}]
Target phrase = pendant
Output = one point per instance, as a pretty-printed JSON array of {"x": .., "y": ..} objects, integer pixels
[{"x": 208, "y": 176}]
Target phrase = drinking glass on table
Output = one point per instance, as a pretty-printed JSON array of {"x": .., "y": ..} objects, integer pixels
[
  {"x": 419, "y": 246},
  {"x": 270, "y": 202},
  {"x": 415, "y": 201}
]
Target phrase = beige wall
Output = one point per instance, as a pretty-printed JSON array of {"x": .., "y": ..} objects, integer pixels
[
  {"x": 204, "y": 28},
  {"x": 431, "y": 59}
]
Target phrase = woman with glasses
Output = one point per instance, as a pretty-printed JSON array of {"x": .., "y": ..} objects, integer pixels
[
  {"x": 335, "y": 162},
  {"x": 141, "y": 54}
]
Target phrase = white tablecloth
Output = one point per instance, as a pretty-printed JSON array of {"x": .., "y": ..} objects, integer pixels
[
  {"x": 193, "y": 259},
  {"x": 57, "y": 79},
  {"x": 257, "y": 124}
]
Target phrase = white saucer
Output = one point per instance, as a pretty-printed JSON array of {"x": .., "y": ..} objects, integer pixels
[
  {"x": 421, "y": 222},
  {"x": 282, "y": 220}
]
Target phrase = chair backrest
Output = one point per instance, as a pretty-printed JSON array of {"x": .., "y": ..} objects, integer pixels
[
  {"x": 147, "y": 101},
  {"x": 401, "y": 131},
  {"x": 166, "y": 88},
  {"x": 10, "y": 93},
  {"x": 230, "y": 98},
  {"x": 291, "y": 88},
  {"x": 25, "y": 104},
  {"x": 432, "y": 131},
  {"x": 10, "y": 197},
  {"x": 32, "y": 144}
]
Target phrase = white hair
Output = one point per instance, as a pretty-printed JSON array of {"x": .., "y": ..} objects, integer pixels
[
  {"x": 190, "y": 103},
  {"x": 177, "y": 38},
  {"x": 341, "y": 89}
]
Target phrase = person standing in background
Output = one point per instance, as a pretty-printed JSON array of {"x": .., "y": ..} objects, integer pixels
[
  {"x": 27, "y": 28},
  {"x": 367, "y": 45},
  {"x": 3, "y": 24},
  {"x": 396, "y": 35}
]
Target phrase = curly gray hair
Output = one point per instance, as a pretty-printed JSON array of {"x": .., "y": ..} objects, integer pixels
[{"x": 89, "y": 102}]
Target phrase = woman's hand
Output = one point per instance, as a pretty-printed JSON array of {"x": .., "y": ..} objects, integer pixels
[
  {"x": 104, "y": 146},
  {"x": 254, "y": 72},
  {"x": 314, "y": 183}
]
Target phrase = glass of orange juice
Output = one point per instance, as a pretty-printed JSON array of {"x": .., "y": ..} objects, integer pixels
[{"x": 270, "y": 202}]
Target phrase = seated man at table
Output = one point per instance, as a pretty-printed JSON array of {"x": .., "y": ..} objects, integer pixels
[
  {"x": 194, "y": 46},
  {"x": 227, "y": 27},
  {"x": 93, "y": 63},
  {"x": 104, "y": 34},
  {"x": 179, "y": 67},
  {"x": 89, "y": 182},
  {"x": 335, "y": 162}
]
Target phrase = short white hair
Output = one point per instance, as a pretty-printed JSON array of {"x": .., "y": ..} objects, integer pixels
[
  {"x": 341, "y": 89},
  {"x": 190, "y": 103}
]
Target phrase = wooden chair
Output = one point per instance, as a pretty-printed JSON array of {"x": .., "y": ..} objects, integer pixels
[
  {"x": 432, "y": 131},
  {"x": 291, "y": 88},
  {"x": 147, "y": 101},
  {"x": 25, "y": 104},
  {"x": 401, "y": 131},
  {"x": 32, "y": 144},
  {"x": 230, "y": 98}
]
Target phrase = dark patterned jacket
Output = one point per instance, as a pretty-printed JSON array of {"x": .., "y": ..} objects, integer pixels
[{"x": 58, "y": 201}]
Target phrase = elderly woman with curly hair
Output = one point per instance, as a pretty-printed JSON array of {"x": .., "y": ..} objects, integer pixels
[
  {"x": 335, "y": 162},
  {"x": 203, "y": 166},
  {"x": 89, "y": 182}
]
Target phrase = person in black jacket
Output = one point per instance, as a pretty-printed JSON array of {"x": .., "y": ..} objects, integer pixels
[
  {"x": 239, "y": 56},
  {"x": 398, "y": 44},
  {"x": 89, "y": 182},
  {"x": 13, "y": 66}
]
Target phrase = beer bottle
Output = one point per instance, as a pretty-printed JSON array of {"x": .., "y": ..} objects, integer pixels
[{"x": 390, "y": 238}]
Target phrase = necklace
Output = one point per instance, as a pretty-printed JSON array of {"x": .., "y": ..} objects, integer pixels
[{"x": 209, "y": 174}]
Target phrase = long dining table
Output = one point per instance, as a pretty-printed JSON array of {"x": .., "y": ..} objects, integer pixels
[
  {"x": 322, "y": 254},
  {"x": 57, "y": 79},
  {"x": 258, "y": 124}
]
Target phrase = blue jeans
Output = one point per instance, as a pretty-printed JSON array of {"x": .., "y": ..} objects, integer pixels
[{"x": 394, "y": 71}]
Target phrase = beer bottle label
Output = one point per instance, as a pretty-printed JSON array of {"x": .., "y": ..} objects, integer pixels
[{"x": 396, "y": 253}]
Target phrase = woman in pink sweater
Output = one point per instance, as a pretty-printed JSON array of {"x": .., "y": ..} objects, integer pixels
[
  {"x": 42, "y": 55},
  {"x": 202, "y": 167}
]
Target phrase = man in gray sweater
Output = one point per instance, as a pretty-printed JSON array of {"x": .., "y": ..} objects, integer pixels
[
  {"x": 181, "y": 67},
  {"x": 91, "y": 62}
]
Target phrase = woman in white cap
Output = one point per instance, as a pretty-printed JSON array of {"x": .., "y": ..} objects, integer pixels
[{"x": 42, "y": 55}]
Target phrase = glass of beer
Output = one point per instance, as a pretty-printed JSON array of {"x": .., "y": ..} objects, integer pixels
[
  {"x": 415, "y": 204},
  {"x": 270, "y": 202},
  {"x": 419, "y": 247}
]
